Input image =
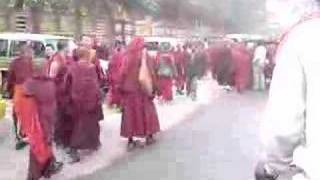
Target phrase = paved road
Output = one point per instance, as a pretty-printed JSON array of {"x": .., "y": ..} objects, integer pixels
[{"x": 219, "y": 142}]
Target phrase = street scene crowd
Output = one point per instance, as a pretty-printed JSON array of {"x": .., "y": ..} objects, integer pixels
[
  {"x": 116, "y": 75},
  {"x": 58, "y": 103}
]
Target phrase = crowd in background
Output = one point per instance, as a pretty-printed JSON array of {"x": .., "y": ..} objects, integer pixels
[{"x": 60, "y": 101}]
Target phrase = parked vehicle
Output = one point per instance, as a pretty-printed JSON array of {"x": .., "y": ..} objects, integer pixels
[
  {"x": 11, "y": 42},
  {"x": 154, "y": 43}
]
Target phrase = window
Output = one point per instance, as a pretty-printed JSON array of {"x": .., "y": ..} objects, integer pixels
[
  {"x": 38, "y": 48},
  {"x": 165, "y": 46},
  {"x": 3, "y": 47},
  {"x": 15, "y": 47},
  {"x": 152, "y": 46}
]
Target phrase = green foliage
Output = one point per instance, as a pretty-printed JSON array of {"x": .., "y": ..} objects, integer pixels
[
  {"x": 6, "y": 3},
  {"x": 150, "y": 6},
  {"x": 35, "y": 3},
  {"x": 59, "y": 5}
]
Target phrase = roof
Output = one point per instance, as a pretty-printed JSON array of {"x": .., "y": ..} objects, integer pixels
[
  {"x": 245, "y": 36},
  {"x": 28, "y": 36}
]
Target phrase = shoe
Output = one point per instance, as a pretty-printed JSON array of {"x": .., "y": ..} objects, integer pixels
[
  {"x": 54, "y": 168},
  {"x": 75, "y": 157},
  {"x": 150, "y": 140},
  {"x": 131, "y": 145},
  {"x": 21, "y": 144}
]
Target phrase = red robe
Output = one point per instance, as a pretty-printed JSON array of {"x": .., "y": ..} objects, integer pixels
[
  {"x": 42, "y": 113},
  {"x": 242, "y": 60},
  {"x": 85, "y": 101},
  {"x": 181, "y": 65},
  {"x": 114, "y": 95},
  {"x": 224, "y": 66},
  {"x": 64, "y": 124},
  {"x": 139, "y": 116},
  {"x": 166, "y": 82},
  {"x": 214, "y": 56},
  {"x": 20, "y": 70}
]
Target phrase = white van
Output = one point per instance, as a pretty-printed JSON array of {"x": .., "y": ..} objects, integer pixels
[
  {"x": 11, "y": 42},
  {"x": 154, "y": 43}
]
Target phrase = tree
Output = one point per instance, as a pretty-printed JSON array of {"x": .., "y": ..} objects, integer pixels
[
  {"x": 6, "y": 5},
  {"x": 58, "y": 7},
  {"x": 36, "y": 10},
  {"x": 18, "y": 5}
]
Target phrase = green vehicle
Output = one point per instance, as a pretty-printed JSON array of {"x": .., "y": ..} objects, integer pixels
[{"x": 11, "y": 42}]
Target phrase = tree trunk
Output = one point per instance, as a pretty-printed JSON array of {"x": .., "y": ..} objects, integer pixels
[
  {"x": 57, "y": 21},
  {"x": 78, "y": 24},
  {"x": 8, "y": 15},
  {"x": 19, "y": 4},
  {"x": 36, "y": 19},
  {"x": 111, "y": 22}
]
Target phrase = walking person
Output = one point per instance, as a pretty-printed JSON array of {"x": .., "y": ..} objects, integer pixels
[
  {"x": 137, "y": 85},
  {"x": 20, "y": 70},
  {"x": 242, "y": 60},
  {"x": 166, "y": 72},
  {"x": 40, "y": 91},
  {"x": 259, "y": 61},
  {"x": 82, "y": 85}
]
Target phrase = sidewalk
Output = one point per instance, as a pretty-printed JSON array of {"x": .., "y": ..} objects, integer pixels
[{"x": 13, "y": 164}]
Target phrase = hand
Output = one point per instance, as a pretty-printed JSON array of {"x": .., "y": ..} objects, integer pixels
[{"x": 262, "y": 174}]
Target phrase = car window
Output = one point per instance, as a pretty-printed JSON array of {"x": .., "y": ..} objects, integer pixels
[
  {"x": 55, "y": 42},
  {"x": 152, "y": 46},
  {"x": 3, "y": 47},
  {"x": 37, "y": 46},
  {"x": 165, "y": 46},
  {"x": 15, "y": 47},
  {"x": 38, "y": 49}
]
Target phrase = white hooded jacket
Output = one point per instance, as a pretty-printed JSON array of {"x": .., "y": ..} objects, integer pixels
[{"x": 291, "y": 128}]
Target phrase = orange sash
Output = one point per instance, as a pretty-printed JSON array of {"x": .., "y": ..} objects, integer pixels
[{"x": 27, "y": 114}]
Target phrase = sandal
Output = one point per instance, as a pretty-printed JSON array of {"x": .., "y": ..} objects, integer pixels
[{"x": 150, "y": 140}]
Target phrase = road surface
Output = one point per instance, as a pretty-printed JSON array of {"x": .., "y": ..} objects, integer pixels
[{"x": 219, "y": 142}]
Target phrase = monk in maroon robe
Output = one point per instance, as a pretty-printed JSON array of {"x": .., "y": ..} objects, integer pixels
[
  {"x": 214, "y": 56},
  {"x": 57, "y": 70},
  {"x": 114, "y": 95},
  {"x": 225, "y": 67},
  {"x": 242, "y": 60},
  {"x": 82, "y": 86},
  {"x": 180, "y": 62},
  {"x": 166, "y": 73},
  {"x": 42, "y": 113},
  {"x": 139, "y": 116},
  {"x": 20, "y": 70}
]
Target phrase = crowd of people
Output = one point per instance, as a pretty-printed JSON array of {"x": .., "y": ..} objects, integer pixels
[
  {"x": 59, "y": 102},
  {"x": 243, "y": 65}
]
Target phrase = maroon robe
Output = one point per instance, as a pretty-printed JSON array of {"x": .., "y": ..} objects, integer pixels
[
  {"x": 224, "y": 67},
  {"x": 42, "y": 90},
  {"x": 139, "y": 116},
  {"x": 64, "y": 124},
  {"x": 242, "y": 60},
  {"x": 114, "y": 96},
  {"x": 180, "y": 62},
  {"x": 85, "y": 102},
  {"x": 19, "y": 71},
  {"x": 214, "y": 56},
  {"x": 165, "y": 83}
]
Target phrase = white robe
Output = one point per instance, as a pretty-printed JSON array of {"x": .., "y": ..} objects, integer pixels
[{"x": 291, "y": 128}]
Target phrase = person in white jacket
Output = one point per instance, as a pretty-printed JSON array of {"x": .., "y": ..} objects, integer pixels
[
  {"x": 291, "y": 128},
  {"x": 259, "y": 60}
]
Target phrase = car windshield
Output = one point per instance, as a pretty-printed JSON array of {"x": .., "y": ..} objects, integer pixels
[
  {"x": 3, "y": 47},
  {"x": 37, "y": 46},
  {"x": 152, "y": 46}
]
